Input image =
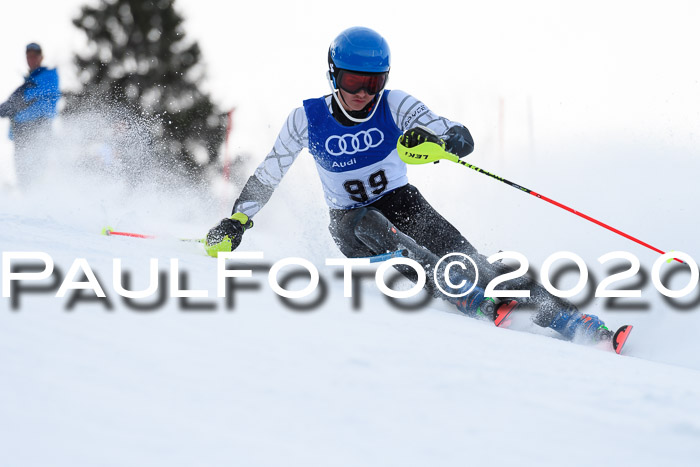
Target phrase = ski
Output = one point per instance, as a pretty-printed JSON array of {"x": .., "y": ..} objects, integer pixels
[
  {"x": 620, "y": 337},
  {"x": 503, "y": 312}
]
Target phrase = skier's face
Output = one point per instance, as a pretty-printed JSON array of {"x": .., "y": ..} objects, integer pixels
[
  {"x": 34, "y": 59},
  {"x": 357, "y": 101}
]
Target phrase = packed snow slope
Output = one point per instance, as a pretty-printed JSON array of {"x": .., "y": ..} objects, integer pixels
[{"x": 86, "y": 382}]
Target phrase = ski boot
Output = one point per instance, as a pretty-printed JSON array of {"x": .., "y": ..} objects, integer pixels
[
  {"x": 571, "y": 324},
  {"x": 469, "y": 304},
  {"x": 489, "y": 308},
  {"x": 496, "y": 310}
]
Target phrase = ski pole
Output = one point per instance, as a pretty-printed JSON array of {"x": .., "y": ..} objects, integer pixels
[
  {"x": 372, "y": 259},
  {"x": 109, "y": 231},
  {"x": 387, "y": 256},
  {"x": 427, "y": 152}
]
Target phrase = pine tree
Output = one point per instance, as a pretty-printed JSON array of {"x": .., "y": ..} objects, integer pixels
[{"x": 139, "y": 59}]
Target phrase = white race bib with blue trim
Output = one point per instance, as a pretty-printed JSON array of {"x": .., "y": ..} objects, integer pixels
[{"x": 357, "y": 164}]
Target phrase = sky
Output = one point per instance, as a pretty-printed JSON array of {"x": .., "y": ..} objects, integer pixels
[{"x": 520, "y": 75}]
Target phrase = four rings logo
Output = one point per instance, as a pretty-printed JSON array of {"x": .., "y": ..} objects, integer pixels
[{"x": 353, "y": 143}]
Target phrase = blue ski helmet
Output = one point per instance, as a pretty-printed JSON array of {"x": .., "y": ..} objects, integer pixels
[{"x": 359, "y": 49}]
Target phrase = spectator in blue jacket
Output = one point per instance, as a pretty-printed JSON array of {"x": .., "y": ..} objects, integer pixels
[{"x": 31, "y": 108}]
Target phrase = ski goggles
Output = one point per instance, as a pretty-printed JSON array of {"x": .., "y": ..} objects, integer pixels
[{"x": 353, "y": 82}]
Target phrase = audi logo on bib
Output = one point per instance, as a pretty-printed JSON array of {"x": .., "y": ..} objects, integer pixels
[{"x": 349, "y": 144}]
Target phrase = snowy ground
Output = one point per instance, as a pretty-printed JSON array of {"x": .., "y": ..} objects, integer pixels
[{"x": 265, "y": 385}]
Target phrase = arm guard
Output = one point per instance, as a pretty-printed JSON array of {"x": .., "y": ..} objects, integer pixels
[{"x": 253, "y": 197}]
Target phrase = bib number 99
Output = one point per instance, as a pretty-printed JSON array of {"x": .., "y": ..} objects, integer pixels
[{"x": 358, "y": 191}]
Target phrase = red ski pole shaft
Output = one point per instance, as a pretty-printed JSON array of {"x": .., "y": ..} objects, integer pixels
[
  {"x": 602, "y": 224},
  {"x": 563, "y": 206},
  {"x": 127, "y": 234},
  {"x": 109, "y": 231}
]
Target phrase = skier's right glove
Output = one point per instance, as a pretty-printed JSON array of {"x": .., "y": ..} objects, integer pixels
[{"x": 227, "y": 235}]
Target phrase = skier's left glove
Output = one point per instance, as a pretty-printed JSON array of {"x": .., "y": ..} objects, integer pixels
[
  {"x": 457, "y": 140},
  {"x": 227, "y": 235},
  {"x": 419, "y": 135}
]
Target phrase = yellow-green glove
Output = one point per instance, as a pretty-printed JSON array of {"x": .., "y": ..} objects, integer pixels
[
  {"x": 227, "y": 235},
  {"x": 419, "y": 135}
]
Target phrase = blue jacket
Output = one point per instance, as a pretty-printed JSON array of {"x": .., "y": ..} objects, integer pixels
[{"x": 35, "y": 99}]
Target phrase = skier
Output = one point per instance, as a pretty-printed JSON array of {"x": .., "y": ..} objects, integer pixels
[{"x": 352, "y": 134}]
